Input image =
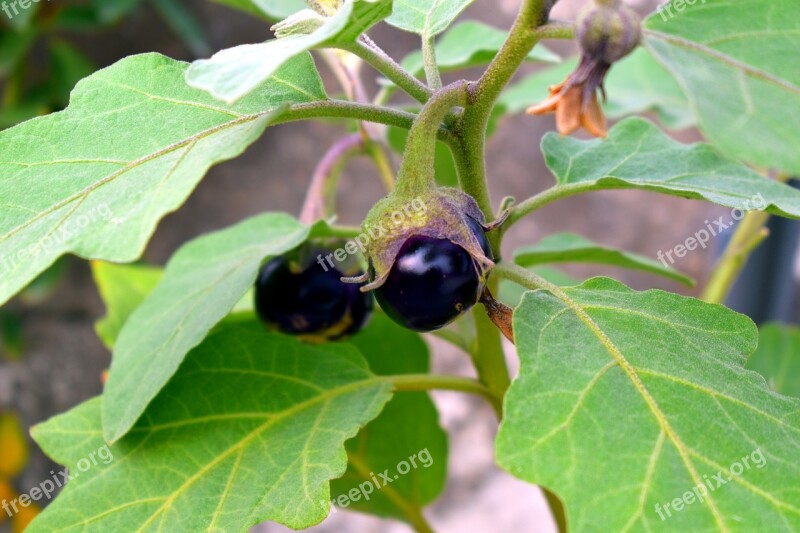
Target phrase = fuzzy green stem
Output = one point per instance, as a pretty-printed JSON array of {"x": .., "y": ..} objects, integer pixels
[
  {"x": 426, "y": 382},
  {"x": 432, "y": 73},
  {"x": 417, "y": 172},
  {"x": 454, "y": 338},
  {"x": 750, "y": 233},
  {"x": 380, "y": 60},
  {"x": 544, "y": 198},
  {"x": 483, "y": 95}
]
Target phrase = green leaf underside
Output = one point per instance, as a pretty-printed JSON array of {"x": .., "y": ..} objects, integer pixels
[
  {"x": 572, "y": 248},
  {"x": 251, "y": 428},
  {"x": 737, "y": 62},
  {"x": 408, "y": 424},
  {"x": 202, "y": 283},
  {"x": 778, "y": 358},
  {"x": 122, "y": 289},
  {"x": 235, "y": 72},
  {"x": 637, "y": 155},
  {"x": 655, "y": 381},
  {"x": 426, "y": 17},
  {"x": 637, "y": 84},
  {"x": 469, "y": 44},
  {"x": 95, "y": 179}
]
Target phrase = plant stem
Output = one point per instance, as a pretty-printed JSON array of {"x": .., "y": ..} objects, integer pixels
[
  {"x": 426, "y": 382},
  {"x": 429, "y": 60},
  {"x": 542, "y": 199},
  {"x": 320, "y": 202},
  {"x": 416, "y": 173},
  {"x": 352, "y": 110},
  {"x": 453, "y": 338},
  {"x": 379, "y": 156},
  {"x": 750, "y": 233},
  {"x": 380, "y": 60},
  {"x": 483, "y": 94}
]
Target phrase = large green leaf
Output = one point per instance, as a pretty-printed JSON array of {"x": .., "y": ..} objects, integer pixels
[
  {"x": 408, "y": 425},
  {"x": 201, "y": 285},
  {"x": 123, "y": 288},
  {"x": 778, "y": 358},
  {"x": 426, "y": 17},
  {"x": 235, "y": 72},
  {"x": 470, "y": 44},
  {"x": 637, "y": 84},
  {"x": 626, "y": 401},
  {"x": 95, "y": 179},
  {"x": 737, "y": 62},
  {"x": 572, "y": 248},
  {"x": 637, "y": 155},
  {"x": 251, "y": 428}
]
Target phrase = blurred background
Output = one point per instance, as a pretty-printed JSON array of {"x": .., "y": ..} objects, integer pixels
[{"x": 51, "y": 360}]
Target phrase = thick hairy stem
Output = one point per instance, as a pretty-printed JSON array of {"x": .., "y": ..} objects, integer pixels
[
  {"x": 320, "y": 202},
  {"x": 483, "y": 95},
  {"x": 380, "y": 60},
  {"x": 417, "y": 170}
]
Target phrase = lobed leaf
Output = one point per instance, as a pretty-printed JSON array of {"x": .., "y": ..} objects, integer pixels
[
  {"x": 251, "y": 428},
  {"x": 637, "y": 155},
  {"x": 202, "y": 283},
  {"x": 95, "y": 180},
  {"x": 627, "y": 401},
  {"x": 736, "y": 61},
  {"x": 426, "y": 17},
  {"x": 572, "y": 248},
  {"x": 233, "y": 73}
]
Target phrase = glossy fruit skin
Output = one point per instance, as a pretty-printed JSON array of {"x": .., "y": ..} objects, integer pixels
[
  {"x": 311, "y": 302},
  {"x": 432, "y": 282}
]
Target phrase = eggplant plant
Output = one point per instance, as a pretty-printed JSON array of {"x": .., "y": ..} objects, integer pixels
[{"x": 276, "y": 369}]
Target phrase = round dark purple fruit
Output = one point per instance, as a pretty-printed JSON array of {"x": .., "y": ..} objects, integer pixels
[
  {"x": 309, "y": 301},
  {"x": 432, "y": 282}
]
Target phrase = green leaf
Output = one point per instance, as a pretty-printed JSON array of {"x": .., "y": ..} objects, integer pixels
[
  {"x": 426, "y": 17},
  {"x": 778, "y": 358},
  {"x": 637, "y": 155},
  {"x": 96, "y": 179},
  {"x": 627, "y": 400},
  {"x": 637, "y": 84},
  {"x": 13, "y": 47},
  {"x": 20, "y": 15},
  {"x": 251, "y": 428},
  {"x": 471, "y": 44},
  {"x": 123, "y": 288},
  {"x": 268, "y": 9},
  {"x": 235, "y": 72},
  {"x": 112, "y": 11},
  {"x": 408, "y": 425},
  {"x": 572, "y": 248},
  {"x": 737, "y": 62},
  {"x": 185, "y": 25},
  {"x": 202, "y": 283}
]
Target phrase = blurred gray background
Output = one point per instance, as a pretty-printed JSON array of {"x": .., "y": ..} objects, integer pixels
[{"x": 63, "y": 358}]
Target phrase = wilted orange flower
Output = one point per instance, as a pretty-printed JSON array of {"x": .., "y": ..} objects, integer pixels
[{"x": 574, "y": 101}]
